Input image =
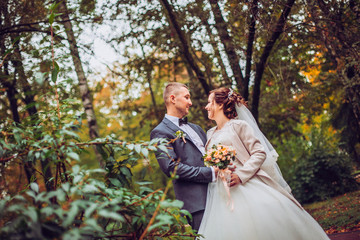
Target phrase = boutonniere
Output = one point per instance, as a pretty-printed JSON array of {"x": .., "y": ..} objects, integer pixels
[{"x": 180, "y": 134}]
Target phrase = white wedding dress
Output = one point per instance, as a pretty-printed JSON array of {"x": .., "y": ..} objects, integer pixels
[{"x": 259, "y": 212}]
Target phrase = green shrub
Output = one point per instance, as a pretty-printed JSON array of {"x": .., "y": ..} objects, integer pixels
[
  {"x": 321, "y": 175},
  {"x": 87, "y": 208}
]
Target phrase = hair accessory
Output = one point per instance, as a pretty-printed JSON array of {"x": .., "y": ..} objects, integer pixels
[{"x": 230, "y": 92}]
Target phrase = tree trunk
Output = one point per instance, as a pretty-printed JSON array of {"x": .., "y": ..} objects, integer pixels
[
  {"x": 260, "y": 66},
  {"x": 185, "y": 46},
  {"x": 11, "y": 87},
  {"x": 229, "y": 46},
  {"x": 204, "y": 20},
  {"x": 30, "y": 103},
  {"x": 83, "y": 85},
  {"x": 149, "y": 80},
  {"x": 10, "y": 93},
  {"x": 249, "y": 48}
]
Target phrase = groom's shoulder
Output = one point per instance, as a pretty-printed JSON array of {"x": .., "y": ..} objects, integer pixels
[{"x": 160, "y": 129}]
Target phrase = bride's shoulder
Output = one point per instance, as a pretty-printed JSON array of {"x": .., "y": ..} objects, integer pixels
[
  {"x": 211, "y": 129},
  {"x": 237, "y": 122}
]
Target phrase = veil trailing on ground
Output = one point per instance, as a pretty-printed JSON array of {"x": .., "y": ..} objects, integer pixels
[{"x": 269, "y": 166}]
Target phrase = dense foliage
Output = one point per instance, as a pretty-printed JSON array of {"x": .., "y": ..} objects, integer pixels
[
  {"x": 86, "y": 207},
  {"x": 84, "y": 203}
]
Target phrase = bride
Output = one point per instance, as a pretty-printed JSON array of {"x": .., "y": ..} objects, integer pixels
[{"x": 260, "y": 204}]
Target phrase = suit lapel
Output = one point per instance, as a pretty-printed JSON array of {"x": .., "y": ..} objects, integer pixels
[{"x": 175, "y": 128}]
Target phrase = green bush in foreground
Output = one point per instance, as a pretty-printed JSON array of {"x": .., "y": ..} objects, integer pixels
[{"x": 86, "y": 208}]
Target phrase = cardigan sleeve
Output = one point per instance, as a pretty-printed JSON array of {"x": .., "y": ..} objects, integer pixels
[{"x": 253, "y": 147}]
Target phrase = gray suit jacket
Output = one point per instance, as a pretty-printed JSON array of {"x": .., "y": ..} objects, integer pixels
[{"x": 191, "y": 186}]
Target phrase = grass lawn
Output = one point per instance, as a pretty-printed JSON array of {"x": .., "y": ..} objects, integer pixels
[{"x": 338, "y": 214}]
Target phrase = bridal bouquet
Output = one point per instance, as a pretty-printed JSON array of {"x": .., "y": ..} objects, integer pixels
[{"x": 219, "y": 156}]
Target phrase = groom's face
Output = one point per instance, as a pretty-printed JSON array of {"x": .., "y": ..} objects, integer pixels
[{"x": 182, "y": 102}]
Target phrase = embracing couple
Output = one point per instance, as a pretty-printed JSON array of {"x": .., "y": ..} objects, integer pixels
[{"x": 262, "y": 204}]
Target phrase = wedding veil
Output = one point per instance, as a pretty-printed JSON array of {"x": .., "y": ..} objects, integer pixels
[{"x": 269, "y": 166}]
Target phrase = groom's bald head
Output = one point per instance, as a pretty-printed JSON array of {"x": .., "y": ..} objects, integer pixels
[{"x": 172, "y": 88}]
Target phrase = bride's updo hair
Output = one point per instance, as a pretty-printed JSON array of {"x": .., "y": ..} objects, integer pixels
[{"x": 228, "y": 98}]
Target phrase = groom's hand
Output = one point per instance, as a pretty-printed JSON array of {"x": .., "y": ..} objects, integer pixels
[{"x": 235, "y": 180}]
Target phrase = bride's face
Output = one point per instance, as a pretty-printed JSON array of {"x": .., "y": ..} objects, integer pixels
[{"x": 212, "y": 107}]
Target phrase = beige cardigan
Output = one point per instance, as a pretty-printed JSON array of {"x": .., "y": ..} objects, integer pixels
[{"x": 250, "y": 155}]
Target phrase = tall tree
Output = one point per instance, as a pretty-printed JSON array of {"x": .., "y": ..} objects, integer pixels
[
  {"x": 229, "y": 46},
  {"x": 83, "y": 85},
  {"x": 185, "y": 45},
  {"x": 260, "y": 66}
]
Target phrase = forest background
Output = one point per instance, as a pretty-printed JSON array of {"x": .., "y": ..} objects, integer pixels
[{"x": 295, "y": 62}]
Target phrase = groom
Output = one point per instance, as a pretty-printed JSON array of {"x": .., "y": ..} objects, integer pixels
[{"x": 191, "y": 185}]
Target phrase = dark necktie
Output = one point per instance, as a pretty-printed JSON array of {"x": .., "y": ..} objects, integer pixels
[{"x": 183, "y": 121}]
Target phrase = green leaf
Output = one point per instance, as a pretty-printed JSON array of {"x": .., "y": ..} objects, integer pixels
[
  {"x": 5, "y": 145},
  {"x": 92, "y": 223},
  {"x": 163, "y": 148},
  {"x": 70, "y": 133},
  {"x": 90, "y": 210},
  {"x": 186, "y": 213},
  {"x": 73, "y": 155},
  {"x": 3, "y": 204},
  {"x": 163, "y": 220},
  {"x": 20, "y": 198},
  {"x": 17, "y": 136},
  {"x": 1, "y": 152},
  {"x": 66, "y": 186},
  {"x": 54, "y": 72},
  {"x": 126, "y": 171},
  {"x": 31, "y": 212},
  {"x": 47, "y": 211},
  {"x": 152, "y": 148},
  {"x": 115, "y": 182},
  {"x": 16, "y": 208},
  {"x": 90, "y": 189},
  {"x": 112, "y": 215},
  {"x": 39, "y": 78},
  {"x": 175, "y": 204},
  {"x": 51, "y": 18},
  {"x": 71, "y": 214},
  {"x": 76, "y": 169},
  {"x": 77, "y": 179},
  {"x": 138, "y": 148},
  {"x": 31, "y": 194},
  {"x": 145, "y": 152},
  {"x": 59, "y": 194},
  {"x": 143, "y": 190},
  {"x": 144, "y": 183}
]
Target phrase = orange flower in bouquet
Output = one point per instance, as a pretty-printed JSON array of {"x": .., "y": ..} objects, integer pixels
[{"x": 219, "y": 156}]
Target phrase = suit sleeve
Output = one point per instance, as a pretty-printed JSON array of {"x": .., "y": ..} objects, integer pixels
[
  {"x": 254, "y": 148},
  {"x": 168, "y": 162}
]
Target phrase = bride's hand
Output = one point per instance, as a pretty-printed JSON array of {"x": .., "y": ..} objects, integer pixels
[
  {"x": 235, "y": 180},
  {"x": 216, "y": 169},
  {"x": 232, "y": 167}
]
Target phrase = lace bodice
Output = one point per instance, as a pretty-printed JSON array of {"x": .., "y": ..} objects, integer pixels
[{"x": 222, "y": 136}]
